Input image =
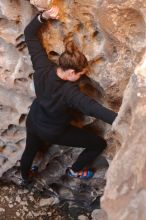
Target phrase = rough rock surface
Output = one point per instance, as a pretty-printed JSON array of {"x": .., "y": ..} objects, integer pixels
[
  {"x": 21, "y": 204},
  {"x": 125, "y": 193},
  {"x": 112, "y": 34}
]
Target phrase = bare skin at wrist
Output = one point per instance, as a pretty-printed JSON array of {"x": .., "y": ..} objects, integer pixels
[
  {"x": 44, "y": 16},
  {"x": 51, "y": 13}
]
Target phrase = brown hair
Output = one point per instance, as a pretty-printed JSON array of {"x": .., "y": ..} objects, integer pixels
[{"x": 72, "y": 58}]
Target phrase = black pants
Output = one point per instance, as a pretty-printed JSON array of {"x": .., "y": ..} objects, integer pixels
[{"x": 73, "y": 137}]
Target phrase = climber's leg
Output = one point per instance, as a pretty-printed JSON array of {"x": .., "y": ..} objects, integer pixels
[
  {"x": 32, "y": 147},
  {"x": 79, "y": 137}
]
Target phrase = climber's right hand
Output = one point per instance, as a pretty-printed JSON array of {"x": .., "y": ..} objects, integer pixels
[{"x": 51, "y": 13}]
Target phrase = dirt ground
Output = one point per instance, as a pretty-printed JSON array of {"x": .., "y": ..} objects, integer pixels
[
  {"x": 16, "y": 203},
  {"x": 21, "y": 204}
]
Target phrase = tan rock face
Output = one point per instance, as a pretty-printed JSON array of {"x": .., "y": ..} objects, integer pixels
[
  {"x": 41, "y": 5},
  {"x": 112, "y": 34}
]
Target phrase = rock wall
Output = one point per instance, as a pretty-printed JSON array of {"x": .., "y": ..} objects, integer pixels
[
  {"x": 111, "y": 33},
  {"x": 16, "y": 87},
  {"x": 125, "y": 193}
]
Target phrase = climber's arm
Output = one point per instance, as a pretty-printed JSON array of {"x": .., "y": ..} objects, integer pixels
[
  {"x": 76, "y": 99},
  {"x": 38, "y": 54},
  {"x": 39, "y": 57}
]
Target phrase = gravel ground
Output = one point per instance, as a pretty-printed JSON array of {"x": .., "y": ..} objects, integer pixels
[{"x": 19, "y": 204}]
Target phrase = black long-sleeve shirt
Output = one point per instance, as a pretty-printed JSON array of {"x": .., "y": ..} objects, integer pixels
[{"x": 54, "y": 96}]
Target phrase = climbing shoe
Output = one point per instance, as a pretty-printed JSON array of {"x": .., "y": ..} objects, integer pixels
[
  {"x": 82, "y": 174},
  {"x": 34, "y": 169},
  {"x": 26, "y": 183}
]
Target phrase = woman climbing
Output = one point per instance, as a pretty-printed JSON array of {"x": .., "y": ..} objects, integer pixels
[{"x": 57, "y": 91}]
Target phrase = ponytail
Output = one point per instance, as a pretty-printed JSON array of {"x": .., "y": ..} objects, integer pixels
[
  {"x": 72, "y": 58},
  {"x": 70, "y": 48}
]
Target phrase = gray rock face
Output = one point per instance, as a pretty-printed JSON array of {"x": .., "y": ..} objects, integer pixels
[
  {"x": 16, "y": 87},
  {"x": 124, "y": 196},
  {"x": 112, "y": 35}
]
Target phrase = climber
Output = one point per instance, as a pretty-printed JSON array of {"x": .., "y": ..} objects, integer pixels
[{"x": 57, "y": 92}]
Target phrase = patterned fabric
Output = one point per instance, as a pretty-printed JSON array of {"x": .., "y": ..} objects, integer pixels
[{"x": 82, "y": 174}]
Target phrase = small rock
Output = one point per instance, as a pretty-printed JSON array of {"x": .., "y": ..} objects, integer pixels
[
  {"x": 36, "y": 214},
  {"x": 31, "y": 198},
  {"x": 18, "y": 199},
  {"x": 10, "y": 205},
  {"x": 6, "y": 198},
  {"x": 17, "y": 213},
  {"x": 20, "y": 191},
  {"x": 10, "y": 200},
  {"x": 25, "y": 191},
  {"x": 49, "y": 201},
  {"x": 24, "y": 203},
  {"x": 99, "y": 214},
  {"x": 2, "y": 210},
  {"x": 43, "y": 213},
  {"x": 30, "y": 215},
  {"x": 5, "y": 188},
  {"x": 25, "y": 209},
  {"x": 25, "y": 199},
  {"x": 49, "y": 214},
  {"x": 82, "y": 217},
  {"x": 58, "y": 217},
  {"x": 75, "y": 211}
]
